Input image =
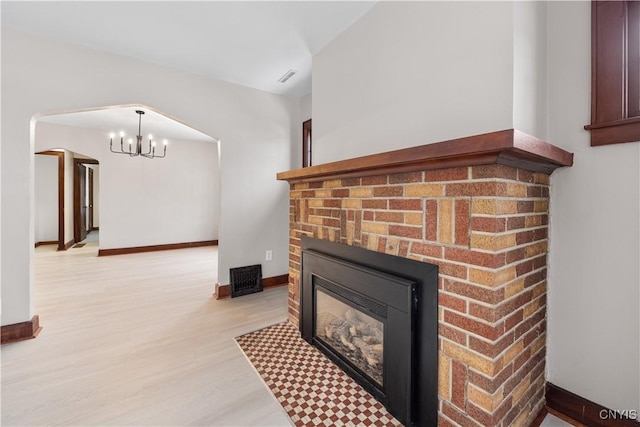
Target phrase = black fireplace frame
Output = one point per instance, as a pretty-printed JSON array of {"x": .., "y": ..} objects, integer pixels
[{"x": 411, "y": 395}]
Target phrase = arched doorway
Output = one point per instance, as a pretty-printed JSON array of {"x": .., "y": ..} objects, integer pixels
[{"x": 148, "y": 203}]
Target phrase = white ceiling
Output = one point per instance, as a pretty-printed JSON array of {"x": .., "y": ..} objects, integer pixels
[
  {"x": 251, "y": 43},
  {"x": 125, "y": 119}
]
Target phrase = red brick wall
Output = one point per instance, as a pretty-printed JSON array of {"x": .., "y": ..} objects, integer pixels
[{"x": 486, "y": 229}]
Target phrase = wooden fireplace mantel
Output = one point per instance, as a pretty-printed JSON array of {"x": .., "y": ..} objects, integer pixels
[{"x": 506, "y": 147}]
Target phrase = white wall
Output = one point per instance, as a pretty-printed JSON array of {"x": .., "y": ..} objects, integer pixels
[
  {"x": 410, "y": 73},
  {"x": 256, "y": 129},
  {"x": 147, "y": 202},
  {"x": 296, "y": 146},
  {"x": 530, "y": 67},
  {"x": 46, "y": 198},
  {"x": 305, "y": 108},
  {"x": 594, "y": 278}
]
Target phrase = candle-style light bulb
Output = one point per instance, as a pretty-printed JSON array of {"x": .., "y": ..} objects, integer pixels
[
  {"x": 130, "y": 141},
  {"x": 121, "y": 134},
  {"x": 112, "y": 135},
  {"x": 153, "y": 144},
  {"x": 150, "y": 137},
  {"x": 165, "y": 142}
]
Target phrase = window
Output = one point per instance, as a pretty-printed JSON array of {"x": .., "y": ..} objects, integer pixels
[
  {"x": 615, "y": 72},
  {"x": 306, "y": 143}
]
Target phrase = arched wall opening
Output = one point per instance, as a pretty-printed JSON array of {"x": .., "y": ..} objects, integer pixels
[
  {"x": 41, "y": 75},
  {"x": 144, "y": 203}
]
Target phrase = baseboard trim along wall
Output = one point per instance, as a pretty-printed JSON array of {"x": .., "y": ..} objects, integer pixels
[
  {"x": 171, "y": 246},
  {"x": 69, "y": 244},
  {"x": 21, "y": 331},
  {"x": 224, "y": 291},
  {"x": 540, "y": 417},
  {"x": 47, "y": 242},
  {"x": 564, "y": 404}
]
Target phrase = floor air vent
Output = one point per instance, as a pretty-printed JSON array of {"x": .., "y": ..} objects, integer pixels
[{"x": 246, "y": 280}]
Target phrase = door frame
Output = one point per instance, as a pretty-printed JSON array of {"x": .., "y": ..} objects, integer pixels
[
  {"x": 77, "y": 199},
  {"x": 89, "y": 221},
  {"x": 60, "y": 155}
]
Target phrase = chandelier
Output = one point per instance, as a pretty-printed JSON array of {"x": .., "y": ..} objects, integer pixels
[{"x": 137, "y": 150}]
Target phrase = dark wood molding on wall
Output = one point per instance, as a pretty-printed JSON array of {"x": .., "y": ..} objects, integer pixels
[
  {"x": 21, "y": 331},
  {"x": 626, "y": 130},
  {"x": 615, "y": 72},
  {"x": 540, "y": 417},
  {"x": 171, "y": 246},
  {"x": 224, "y": 291},
  {"x": 81, "y": 160},
  {"x": 78, "y": 197},
  {"x": 506, "y": 147},
  {"x": 46, "y": 242},
  {"x": 270, "y": 282},
  {"x": 68, "y": 245},
  {"x": 60, "y": 155},
  {"x": 568, "y": 405},
  {"x": 307, "y": 147}
]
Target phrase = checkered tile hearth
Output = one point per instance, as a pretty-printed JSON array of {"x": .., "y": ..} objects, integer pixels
[{"x": 310, "y": 387}]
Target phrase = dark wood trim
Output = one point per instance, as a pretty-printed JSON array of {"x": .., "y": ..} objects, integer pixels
[
  {"x": 594, "y": 43},
  {"x": 582, "y": 410},
  {"x": 627, "y": 130},
  {"x": 84, "y": 161},
  {"x": 307, "y": 148},
  {"x": 21, "y": 331},
  {"x": 77, "y": 199},
  {"x": 60, "y": 155},
  {"x": 154, "y": 248},
  {"x": 564, "y": 418},
  {"x": 95, "y": 228},
  {"x": 274, "y": 281},
  {"x": 46, "y": 242},
  {"x": 90, "y": 201},
  {"x": 508, "y": 147},
  {"x": 61, "y": 194},
  {"x": 224, "y": 291},
  {"x": 68, "y": 245},
  {"x": 615, "y": 71},
  {"x": 633, "y": 59},
  {"x": 221, "y": 291},
  {"x": 540, "y": 417},
  {"x": 620, "y": 122}
]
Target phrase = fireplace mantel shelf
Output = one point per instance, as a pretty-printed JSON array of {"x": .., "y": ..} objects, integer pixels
[{"x": 507, "y": 147}]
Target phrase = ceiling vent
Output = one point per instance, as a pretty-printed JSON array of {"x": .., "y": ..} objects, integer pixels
[{"x": 287, "y": 76}]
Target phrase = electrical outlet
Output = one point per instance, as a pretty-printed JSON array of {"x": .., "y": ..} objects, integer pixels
[{"x": 269, "y": 255}]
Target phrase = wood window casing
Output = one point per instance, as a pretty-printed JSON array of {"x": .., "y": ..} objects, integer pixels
[{"x": 615, "y": 72}]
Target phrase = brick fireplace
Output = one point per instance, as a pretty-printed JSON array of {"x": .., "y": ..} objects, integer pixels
[{"x": 478, "y": 207}]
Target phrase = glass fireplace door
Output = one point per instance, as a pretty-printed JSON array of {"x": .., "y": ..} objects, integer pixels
[{"x": 352, "y": 333}]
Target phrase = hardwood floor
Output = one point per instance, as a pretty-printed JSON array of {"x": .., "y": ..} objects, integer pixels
[{"x": 137, "y": 340}]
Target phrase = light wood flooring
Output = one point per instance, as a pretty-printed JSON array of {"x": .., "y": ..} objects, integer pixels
[{"x": 135, "y": 340}]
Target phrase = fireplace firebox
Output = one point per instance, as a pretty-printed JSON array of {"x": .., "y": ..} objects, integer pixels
[{"x": 376, "y": 316}]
